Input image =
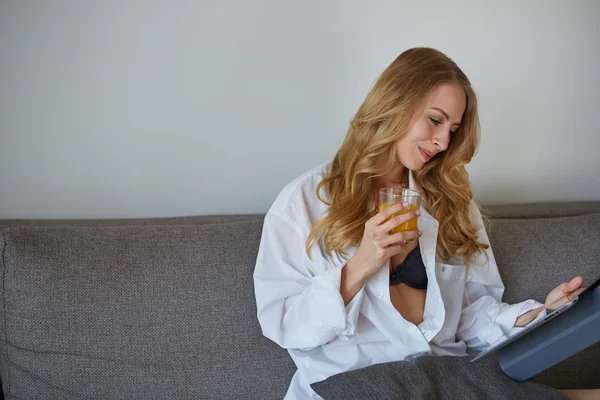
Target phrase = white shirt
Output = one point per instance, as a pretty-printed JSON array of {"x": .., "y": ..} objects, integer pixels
[{"x": 301, "y": 309}]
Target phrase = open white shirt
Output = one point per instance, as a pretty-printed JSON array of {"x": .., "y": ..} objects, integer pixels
[{"x": 301, "y": 309}]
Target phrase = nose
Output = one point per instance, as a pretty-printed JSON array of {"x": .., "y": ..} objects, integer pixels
[{"x": 441, "y": 139}]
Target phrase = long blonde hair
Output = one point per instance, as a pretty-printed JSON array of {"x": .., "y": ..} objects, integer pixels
[{"x": 369, "y": 151}]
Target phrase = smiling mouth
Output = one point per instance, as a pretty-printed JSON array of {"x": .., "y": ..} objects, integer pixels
[{"x": 426, "y": 155}]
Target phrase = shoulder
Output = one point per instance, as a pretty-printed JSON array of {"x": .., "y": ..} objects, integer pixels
[
  {"x": 297, "y": 203},
  {"x": 475, "y": 216}
]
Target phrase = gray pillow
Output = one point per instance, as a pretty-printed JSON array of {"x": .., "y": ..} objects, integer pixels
[{"x": 429, "y": 378}]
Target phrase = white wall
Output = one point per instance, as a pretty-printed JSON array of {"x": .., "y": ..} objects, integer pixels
[{"x": 170, "y": 107}]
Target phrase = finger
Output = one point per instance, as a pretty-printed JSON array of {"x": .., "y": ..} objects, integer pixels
[
  {"x": 576, "y": 293},
  {"x": 573, "y": 284},
  {"x": 399, "y": 220},
  {"x": 568, "y": 287},
  {"x": 383, "y": 215},
  {"x": 399, "y": 238},
  {"x": 396, "y": 249}
]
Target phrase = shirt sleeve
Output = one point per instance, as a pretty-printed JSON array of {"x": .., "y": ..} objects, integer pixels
[
  {"x": 298, "y": 299},
  {"x": 485, "y": 319}
]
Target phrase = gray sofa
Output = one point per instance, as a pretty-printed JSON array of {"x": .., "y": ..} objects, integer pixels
[{"x": 164, "y": 308}]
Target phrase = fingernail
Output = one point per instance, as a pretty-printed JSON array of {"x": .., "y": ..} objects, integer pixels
[
  {"x": 418, "y": 212},
  {"x": 405, "y": 205},
  {"x": 420, "y": 233}
]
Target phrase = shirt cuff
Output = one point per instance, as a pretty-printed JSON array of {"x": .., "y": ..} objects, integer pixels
[
  {"x": 508, "y": 316},
  {"x": 503, "y": 318},
  {"x": 328, "y": 304}
]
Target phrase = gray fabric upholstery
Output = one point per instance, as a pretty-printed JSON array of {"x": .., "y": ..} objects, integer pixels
[
  {"x": 426, "y": 378},
  {"x": 164, "y": 308},
  {"x": 198, "y": 220},
  {"x": 136, "y": 313},
  {"x": 541, "y": 210},
  {"x": 535, "y": 255}
]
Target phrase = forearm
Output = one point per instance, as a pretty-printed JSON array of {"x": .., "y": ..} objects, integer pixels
[
  {"x": 353, "y": 279},
  {"x": 529, "y": 316}
]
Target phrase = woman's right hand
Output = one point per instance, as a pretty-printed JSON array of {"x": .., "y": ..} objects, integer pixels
[{"x": 378, "y": 245}]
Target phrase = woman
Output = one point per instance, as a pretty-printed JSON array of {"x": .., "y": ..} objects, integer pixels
[{"x": 326, "y": 273}]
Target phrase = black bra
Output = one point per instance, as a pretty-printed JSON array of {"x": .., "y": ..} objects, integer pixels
[{"x": 411, "y": 272}]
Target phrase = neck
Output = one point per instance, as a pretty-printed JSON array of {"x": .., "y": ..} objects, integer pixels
[{"x": 394, "y": 178}]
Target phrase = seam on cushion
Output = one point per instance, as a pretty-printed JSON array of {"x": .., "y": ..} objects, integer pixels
[
  {"x": 5, "y": 335},
  {"x": 109, "y": 222},
  {"x": 118, "y": 227},
  {"x": 58, "y": 388},
  {"x": 544, "y": 217}
]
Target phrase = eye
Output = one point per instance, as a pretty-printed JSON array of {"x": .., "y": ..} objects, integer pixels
[{"x": 437, "y": 122}]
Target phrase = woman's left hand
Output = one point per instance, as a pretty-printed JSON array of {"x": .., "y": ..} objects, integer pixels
[
  {"x": 559, "y": 296},
  {"x": 564, "y": 293}
]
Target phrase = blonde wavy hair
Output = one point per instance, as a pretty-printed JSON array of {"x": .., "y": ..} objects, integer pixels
[{"x": 369, "y": 151}]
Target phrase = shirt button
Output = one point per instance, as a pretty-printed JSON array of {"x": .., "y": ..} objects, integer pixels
[
  {"x": 493, "y": 310},
  {"x": 381, "y": 295},
  {"x": 443, "y": 269}
]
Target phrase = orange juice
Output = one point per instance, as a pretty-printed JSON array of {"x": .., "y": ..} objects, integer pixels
[{"x": 407, "y": 226}]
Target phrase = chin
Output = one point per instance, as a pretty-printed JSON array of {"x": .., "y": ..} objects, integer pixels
[{"x": 414, "y": 165}]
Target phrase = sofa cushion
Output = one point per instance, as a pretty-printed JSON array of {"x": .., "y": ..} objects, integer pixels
[
  {"x": 135, "y": 312},
  {"x": 534, "y": 256},
  {"x": 426, "y": 378}
]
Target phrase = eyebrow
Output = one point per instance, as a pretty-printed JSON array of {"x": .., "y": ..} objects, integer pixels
[{"x": 445, "y": 115}]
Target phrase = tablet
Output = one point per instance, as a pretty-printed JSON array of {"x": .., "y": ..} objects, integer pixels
[{"x": 538, "y": 323}]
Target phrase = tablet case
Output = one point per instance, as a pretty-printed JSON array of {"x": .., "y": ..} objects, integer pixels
[{"x": 556, "y": 340}]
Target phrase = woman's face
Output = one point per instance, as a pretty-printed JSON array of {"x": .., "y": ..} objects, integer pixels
[{"x": 432, "y": 126}]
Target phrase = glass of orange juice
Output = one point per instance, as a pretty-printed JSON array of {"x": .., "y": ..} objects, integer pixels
[{"x": 390, "y": 196}]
